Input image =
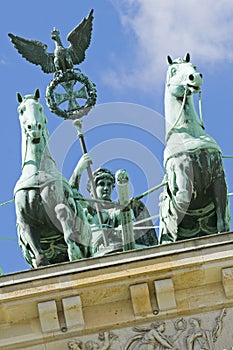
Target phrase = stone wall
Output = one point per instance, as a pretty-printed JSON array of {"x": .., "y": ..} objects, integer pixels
[{"x": 177, "y": 296}]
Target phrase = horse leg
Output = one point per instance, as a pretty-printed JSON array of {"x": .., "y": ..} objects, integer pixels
[
  {"x": 220, "y": 199},
  {"x": 33, "y": 244},
  {"x": 176, "y": 198},
  {"x": 26, "y": 201},
  {"x": 64, "y": 214},
  {"x": 180, "y": 177},
  {"x": 64, "y": 217},
  {"x": 168, "y": 228}
]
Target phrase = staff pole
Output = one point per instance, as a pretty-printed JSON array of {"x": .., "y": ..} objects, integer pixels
[{"x": 78, "y": 124}]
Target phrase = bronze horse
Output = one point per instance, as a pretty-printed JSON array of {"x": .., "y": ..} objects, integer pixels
[
  {"x": 194, "y": 201},
  {"x": 52, "y": 226}
]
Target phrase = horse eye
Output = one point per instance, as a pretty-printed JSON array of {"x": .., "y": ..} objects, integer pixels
[
  {"x": 22, "y": 110},
  {"x": 39, "y": 126},
  {"x": 173, "y": 71}
]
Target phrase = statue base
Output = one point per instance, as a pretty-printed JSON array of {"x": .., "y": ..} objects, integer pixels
[{"x": 170, "y": 292}]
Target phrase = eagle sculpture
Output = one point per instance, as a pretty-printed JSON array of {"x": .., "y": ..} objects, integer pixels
[{"x": 63, "y": 58}]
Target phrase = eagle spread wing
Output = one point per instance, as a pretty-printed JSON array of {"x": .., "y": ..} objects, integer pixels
[
  {"x": 35, "y": 52},
  {"x": 80, "y": 38}
]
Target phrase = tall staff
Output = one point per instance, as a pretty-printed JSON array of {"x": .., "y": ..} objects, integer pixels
[{"x": 78, "y": 124}]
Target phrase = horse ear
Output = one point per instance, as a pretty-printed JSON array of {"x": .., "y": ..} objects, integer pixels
[
  {"x": 37, "y": 94},
  {"x": 169, "y": 60},
  {"x": 19, "y": 97},
  {"x": 187, "y": 57}
]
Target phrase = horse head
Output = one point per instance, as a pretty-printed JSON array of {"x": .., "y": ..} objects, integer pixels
[
  {"x": 183, "y": 80},
  {"x": 32, "y": 117},
  {"x": 182, "y": 76}
]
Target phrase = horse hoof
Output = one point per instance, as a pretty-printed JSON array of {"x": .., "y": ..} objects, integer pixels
[{"x": 41, "y": 260}]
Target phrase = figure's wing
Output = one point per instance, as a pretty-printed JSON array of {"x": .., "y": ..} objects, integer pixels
[
  {"x": 80, "y": 38},
  {"x": 35, "y": 52}
]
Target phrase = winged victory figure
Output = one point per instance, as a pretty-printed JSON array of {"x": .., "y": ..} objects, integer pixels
[{"x": 62, "y": 58}]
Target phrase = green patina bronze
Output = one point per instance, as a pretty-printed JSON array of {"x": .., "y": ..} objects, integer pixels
[
  {"x": 52, "y": 226},
  {"x": 62, "y": 63},
  {"x": 68, "y": 80},
  {"x": 120, "y": 228},
  {"x": 55, "y": 223},
  {"x": 194, "y": 201}
]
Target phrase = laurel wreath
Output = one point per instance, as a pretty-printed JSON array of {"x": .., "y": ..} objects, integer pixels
[{"x": 66, "y": 77}]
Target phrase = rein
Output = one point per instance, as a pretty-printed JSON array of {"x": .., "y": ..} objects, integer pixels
[
  {"x": 179, "y": 115},
  {"x": 181, "y": 110},
  {"x": 25, "y": 153},
  {"x": 26, "y": 149},
  {"x": 200, "y": 110}
]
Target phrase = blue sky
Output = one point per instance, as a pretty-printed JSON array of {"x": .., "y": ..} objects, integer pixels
[{"x": 127, "y": 62}]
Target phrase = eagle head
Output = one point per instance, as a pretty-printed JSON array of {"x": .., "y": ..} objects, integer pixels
[{"x": 55, "y": 34}]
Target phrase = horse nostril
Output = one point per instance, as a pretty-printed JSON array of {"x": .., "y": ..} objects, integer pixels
[
  {"x": 191, "y": 77},
  {"x": 39, "y": 126},
  {"x": 201, "y": 75}
]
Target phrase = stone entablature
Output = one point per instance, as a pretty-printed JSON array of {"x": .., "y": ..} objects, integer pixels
[{"x": 124, "y": 295}]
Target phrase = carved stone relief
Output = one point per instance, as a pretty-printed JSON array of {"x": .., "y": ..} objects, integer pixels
[
  {"x": 187, "y": 333},
  {"x": 106, "y": 340}
]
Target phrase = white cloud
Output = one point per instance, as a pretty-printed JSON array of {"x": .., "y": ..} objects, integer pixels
[{"x": 205, "y": 29}]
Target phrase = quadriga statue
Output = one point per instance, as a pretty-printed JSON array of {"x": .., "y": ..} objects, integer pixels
[{"x": 194, "y": 202}]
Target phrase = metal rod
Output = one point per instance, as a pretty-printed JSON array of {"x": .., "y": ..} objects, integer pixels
[
  {"x": 150, "y": 191},
  {"x": 77, "y": 124}
]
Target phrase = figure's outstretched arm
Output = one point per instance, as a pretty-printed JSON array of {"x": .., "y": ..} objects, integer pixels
[
  {"x": 83, "y": 163},
  {"x": 219, "y": 325}
]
